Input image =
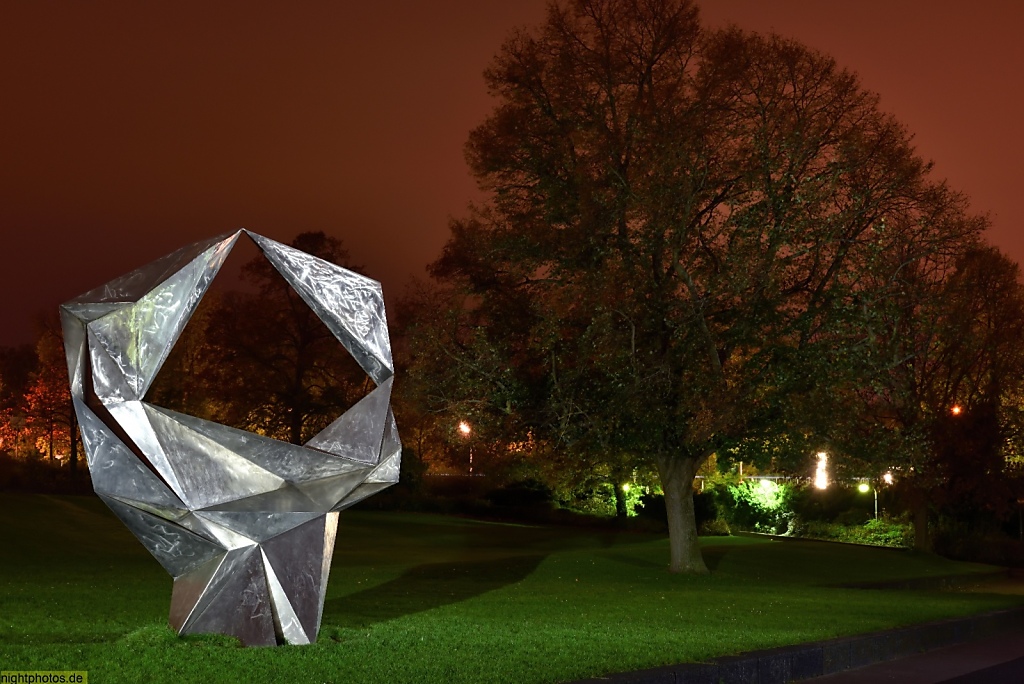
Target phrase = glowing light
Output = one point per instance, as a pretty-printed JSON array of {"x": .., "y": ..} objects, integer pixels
[
  {"x": 625, "y": 487},
  {"x": 887, "y": 478},
  {"x": 863, "y": 487},
  {"x": 821, "y": 472},
  {"x": 465, "y": 429},
  {"x": 956, "y": 410},
  {"x": 767, "y": 485}
]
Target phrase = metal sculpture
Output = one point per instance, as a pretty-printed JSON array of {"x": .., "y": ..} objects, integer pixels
[{"x": 245, "y": 524}]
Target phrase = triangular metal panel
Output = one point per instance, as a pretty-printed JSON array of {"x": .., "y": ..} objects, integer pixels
[
  {"x": 290, "y": 462},
  {"x": 358, "y": 433},
  {"x": 138, "y": 337},
  {"x": 90, "y": 311},
  {"x": 209, "y": 474},
  {"x": 330, "y": 535},
  {"x": 287, "y": 499},
  {"x": 349, "y": 304},
  {"x": 330, "y": 490},
  {"x": 177, "y": 549},
  {"x": 131, "y": 286},
  {"x": 297, "y": 557},
  {"x": 230, "y": 563},
  {"x": 287, "y": 626},
  {"x": 392, "y": 443},
  {"x": 258, "y": 525},
  {"x": 240, "y": 606},
  {"x": 132, "y": 418},
  {"x": 388, "y": 471},
  {"x": 361, "y": 492},
  {"x": 198, "y": 526},
  {"x": 161, "y": 315},
  {"x": 189, "y": 590},
  {"x": 73, "y": 331},
  {"x": 174, "y": 515},
  {"x": 116, "y": 471},
  {"x": 108, "y": 380},
  {"x": 228, "y": 538}
]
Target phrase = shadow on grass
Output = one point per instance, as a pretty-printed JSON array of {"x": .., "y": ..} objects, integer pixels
[
  {"x": 425, "y": 587},
  {"x": 713, "y": 555}
]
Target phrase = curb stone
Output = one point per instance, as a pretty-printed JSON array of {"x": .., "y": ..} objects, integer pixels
[{"x": 804, "y": 661}]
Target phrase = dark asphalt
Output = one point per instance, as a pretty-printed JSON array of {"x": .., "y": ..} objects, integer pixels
[
  {"x": 983, "y": 649},
  {"x": 992, "y": 660}
]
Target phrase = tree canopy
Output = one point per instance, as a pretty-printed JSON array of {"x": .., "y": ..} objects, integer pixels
[{"x": 686, "y": 232}]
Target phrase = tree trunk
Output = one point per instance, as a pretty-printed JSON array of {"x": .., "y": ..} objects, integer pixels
[
  {"x": 922, "y": 539},
  {"x": 295, "y": 426},
  {"x": 620, "y": 501},
  {"x": 677, "y": 483}
]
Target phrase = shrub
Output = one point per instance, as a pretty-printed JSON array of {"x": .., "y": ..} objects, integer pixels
[
  {"x": 714, "y": 528},
  {"x": 880, "y": 532},
  {"x": 758, "y": 505},
  {"x": 520, "y": 494},
  {"x": 652, "y": 506},
  {"x": 838, "y": 503},
  {"x": 705, "y": 507}
]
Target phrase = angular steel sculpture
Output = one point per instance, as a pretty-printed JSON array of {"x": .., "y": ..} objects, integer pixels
[{"x": 245, "y": 524}]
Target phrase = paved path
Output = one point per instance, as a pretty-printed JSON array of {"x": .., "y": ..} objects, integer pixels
[
  {"x": 993, "y": 660},
  {"x": 986, "y": 649}
]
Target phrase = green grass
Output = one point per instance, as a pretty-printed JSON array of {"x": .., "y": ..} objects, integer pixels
[{"x": 429, "y": 599}]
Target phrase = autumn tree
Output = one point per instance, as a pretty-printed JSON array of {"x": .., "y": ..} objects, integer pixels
[
  {"x": 675, "y": 242},
  {"x": 50, "y": 416},
  {"x": 17, "y": 367}
]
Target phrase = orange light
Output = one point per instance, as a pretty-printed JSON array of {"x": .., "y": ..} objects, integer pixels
[
  {"x": 464, "y": 428},
  {"x": 821, "y": 471},
  {"x": 956, "y": 410}
]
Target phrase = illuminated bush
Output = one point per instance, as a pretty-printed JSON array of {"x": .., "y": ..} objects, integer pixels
[{"x": 758, "y": 505}]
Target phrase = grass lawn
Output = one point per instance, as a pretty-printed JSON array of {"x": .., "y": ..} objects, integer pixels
[{"x": 423, "y": 598}]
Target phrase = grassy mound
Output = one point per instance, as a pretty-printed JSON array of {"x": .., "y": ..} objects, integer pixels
[{"x": 429, "y": 598}]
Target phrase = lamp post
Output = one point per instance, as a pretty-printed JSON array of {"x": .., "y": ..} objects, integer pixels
[
  {"x": 465, "y": 430},
  {"x": 863, "y": 488}
]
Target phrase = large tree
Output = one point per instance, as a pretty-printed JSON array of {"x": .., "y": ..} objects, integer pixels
[
  {"x": 944, "y": 401},
  {"x": 678, "y": 227}
]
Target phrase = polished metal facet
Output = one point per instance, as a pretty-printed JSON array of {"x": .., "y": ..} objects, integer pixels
[{"x": 245, "y": 524}]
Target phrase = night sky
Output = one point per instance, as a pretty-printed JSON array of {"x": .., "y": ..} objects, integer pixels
[{"x": 128, "y": 129}]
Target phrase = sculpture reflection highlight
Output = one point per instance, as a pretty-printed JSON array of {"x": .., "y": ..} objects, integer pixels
[{"x": 245, "y": 524}]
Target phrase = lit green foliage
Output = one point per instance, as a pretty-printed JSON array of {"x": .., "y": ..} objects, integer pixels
[
  {"x": 759, "y": 505},
  {"x": 880, "y": 532}
]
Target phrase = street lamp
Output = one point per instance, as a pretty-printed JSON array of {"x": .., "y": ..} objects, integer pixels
[
  {"x": 465, "y": 430},
  {"x": 863, "y": 488}
]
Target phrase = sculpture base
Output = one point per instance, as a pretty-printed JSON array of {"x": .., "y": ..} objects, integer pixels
[{"x": 264, "y": 592}]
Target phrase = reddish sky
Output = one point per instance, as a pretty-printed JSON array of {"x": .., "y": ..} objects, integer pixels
[{"x": 131, "y": 128}]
